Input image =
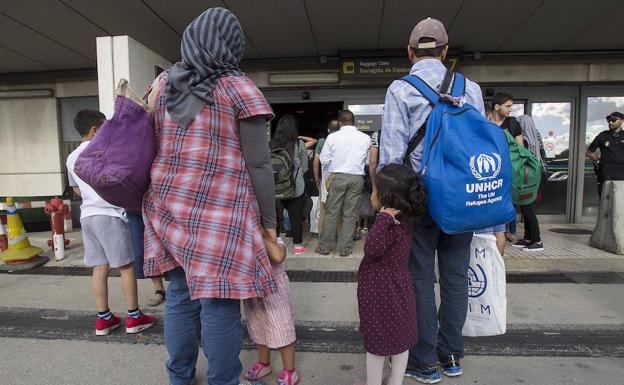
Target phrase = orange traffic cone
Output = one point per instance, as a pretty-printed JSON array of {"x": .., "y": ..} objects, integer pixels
[{"x": 19, "y": 249}]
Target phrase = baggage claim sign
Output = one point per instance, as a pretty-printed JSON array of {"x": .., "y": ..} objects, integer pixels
[
  {"x": 391, "y": 68},
  {"x": 375, "y": 68}
]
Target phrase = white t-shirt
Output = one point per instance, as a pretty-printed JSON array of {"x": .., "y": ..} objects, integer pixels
[
  {"x": 92, "y": 203},
  {"x": 346, "y": 151}
]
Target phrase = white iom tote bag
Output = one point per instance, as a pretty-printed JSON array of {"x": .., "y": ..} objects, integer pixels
[{"x": 487, "y": 298}]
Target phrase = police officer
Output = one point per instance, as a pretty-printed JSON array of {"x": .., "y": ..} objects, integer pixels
[{"x": 611, "y": 145}]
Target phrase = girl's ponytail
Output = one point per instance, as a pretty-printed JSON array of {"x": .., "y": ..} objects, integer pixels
[{"x": 417, "y": 196}]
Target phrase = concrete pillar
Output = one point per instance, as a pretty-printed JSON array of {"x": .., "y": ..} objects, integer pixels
[
  {"x": 609, "y": 232},
  {"x": 121, "y": 57}
]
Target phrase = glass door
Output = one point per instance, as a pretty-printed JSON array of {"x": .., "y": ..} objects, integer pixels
[
  {"x": 597, "y": 103},
  {"x": 554, "y": 122},
  {"x": 553, "y": 109}
]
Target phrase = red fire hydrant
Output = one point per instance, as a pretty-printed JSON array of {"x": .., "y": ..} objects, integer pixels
[
  {"x": 56, "y": 209},
  {"x": 4, "y": 242}
]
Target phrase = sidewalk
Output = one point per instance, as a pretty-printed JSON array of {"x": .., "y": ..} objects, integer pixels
[{"x": 563, "y": 252}]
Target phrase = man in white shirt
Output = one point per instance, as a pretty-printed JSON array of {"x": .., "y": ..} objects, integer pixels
[{"x": 344, "y": 154}]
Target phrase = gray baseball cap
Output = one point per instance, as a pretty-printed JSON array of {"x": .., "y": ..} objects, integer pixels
[{"x": 431, "y": 28}]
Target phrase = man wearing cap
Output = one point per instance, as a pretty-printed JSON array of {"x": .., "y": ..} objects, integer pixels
[
  {"x": 611, "y": 145},
  {"x": 405, "y": 112}
]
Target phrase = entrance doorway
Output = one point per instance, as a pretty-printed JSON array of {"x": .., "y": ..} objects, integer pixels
[{"x": 313, "y": 117}]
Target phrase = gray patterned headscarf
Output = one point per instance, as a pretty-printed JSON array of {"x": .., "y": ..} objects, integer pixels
[{"x": 212, "y": 47}]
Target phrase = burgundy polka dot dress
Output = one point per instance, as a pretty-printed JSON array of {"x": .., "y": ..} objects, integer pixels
[{"x": 386, "y": 300}]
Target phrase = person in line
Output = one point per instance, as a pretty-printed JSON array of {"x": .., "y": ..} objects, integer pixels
[
  {"x": 373, "y": 159},
  {"x": 532, "y": 240},
  {"x": 366, "y": 209},
  {"x": 345, "y": 154},
  {"x": 321, "y": 173},
  {"x": 271, "y": 324},
  {"x": 502, "y": 104},
  {"x": 386, "y": 300},
  {"x": 499, "y": 230},
  {"x": 106, "y": 240},
  {"x": 286, "y": 137},
  {"x": 211, "y": 199},
  {"x": 136, "y": 225},
  {"x": 611, "y": 145},
  {"x": 406, "y": 111}
]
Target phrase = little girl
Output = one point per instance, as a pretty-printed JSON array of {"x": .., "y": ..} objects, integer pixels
[
  {"x": 386, "y": 300},
  {"x": 270, "y": 322}
]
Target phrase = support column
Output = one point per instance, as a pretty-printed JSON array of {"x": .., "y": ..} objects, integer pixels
[{"x": 121, "y": 57}]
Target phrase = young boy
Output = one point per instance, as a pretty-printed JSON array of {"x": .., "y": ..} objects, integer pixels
[{"x": 106, "y": 239}]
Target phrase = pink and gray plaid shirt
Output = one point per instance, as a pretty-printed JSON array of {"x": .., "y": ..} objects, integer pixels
[{"x": 200, "y": 210}]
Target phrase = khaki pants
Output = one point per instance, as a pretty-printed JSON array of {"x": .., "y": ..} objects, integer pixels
[{"x": 343, "y": 198}]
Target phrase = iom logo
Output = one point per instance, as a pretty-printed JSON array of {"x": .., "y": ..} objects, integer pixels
[
  {"x": 485, "y": 167},
  {"x": 477, "y": 282}
]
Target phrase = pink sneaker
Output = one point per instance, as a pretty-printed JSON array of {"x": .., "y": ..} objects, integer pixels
[
  {"x": 298, "y": 249},
  {"x": 259, "y": 370},
  {"x": 103, "y": 328},
  {"x": 288, "y": 377},
  {"x": 144, "y": 321}
]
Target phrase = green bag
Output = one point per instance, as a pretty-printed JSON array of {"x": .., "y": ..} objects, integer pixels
[
  {"x": 526, "y": 173},
  {"x": 283, "y": 174}
]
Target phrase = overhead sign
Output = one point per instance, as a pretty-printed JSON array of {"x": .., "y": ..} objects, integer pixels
[
  {"x": 375, "y": 68},
  {"x": 368, "y": 122}
]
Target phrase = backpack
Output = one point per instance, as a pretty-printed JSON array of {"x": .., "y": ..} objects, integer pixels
[
  {"x": 117, "y": 162},
  {"x": 466, "y": 166},
  {"x": 283, "y": 174},
  {"x": 526, "y": 173}
]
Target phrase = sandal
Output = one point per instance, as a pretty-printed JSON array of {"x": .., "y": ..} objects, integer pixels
[
  {"x": 157, "y": 299},
  {"x": 346, "y": 252},
  {"x": 321, "y": 251}
]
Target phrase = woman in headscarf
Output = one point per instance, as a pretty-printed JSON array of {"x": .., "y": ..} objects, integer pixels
[{"x": 211, "y": 198}]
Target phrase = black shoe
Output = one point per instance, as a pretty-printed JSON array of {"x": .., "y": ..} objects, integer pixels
[
  {"x": 427, "y": 374},
  {"x": 451, "y": 366},
  {"x": 521, "y": 243},
  {"x": 357, "y": 236},
  {"x": 535, "y": 246}
]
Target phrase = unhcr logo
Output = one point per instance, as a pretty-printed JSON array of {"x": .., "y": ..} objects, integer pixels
[{"x": 485, "y": 167}]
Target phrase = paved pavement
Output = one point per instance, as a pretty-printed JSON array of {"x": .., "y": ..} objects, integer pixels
[
  {"x": 565, "y": 323},
  {"x": 563, "y": 252},
  {"x": 32, "y": 361}
]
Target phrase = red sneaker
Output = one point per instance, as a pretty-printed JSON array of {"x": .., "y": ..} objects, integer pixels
[
  {"x": 144, "y": 321},
  {"x": 103, "y": 328}
]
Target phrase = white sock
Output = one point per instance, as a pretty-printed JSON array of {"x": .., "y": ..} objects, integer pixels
[
  {"x": 399, "y": 363},
  {"x": 374, "y": 368}
]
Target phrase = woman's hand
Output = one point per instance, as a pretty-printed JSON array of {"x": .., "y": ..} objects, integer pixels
[{"x": 392, "y": 212}]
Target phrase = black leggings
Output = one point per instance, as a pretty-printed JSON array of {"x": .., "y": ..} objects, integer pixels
[
  {"x": 531, "y": 225},
  {"x": 295, "y": 215}
]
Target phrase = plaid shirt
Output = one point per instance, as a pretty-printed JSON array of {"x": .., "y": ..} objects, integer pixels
[
  {"x": 406, "y": 110},
  {"x": 200, "y": 210}
]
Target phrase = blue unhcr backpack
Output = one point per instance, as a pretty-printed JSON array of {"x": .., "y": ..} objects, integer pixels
[{"x": 465, "y": 164}]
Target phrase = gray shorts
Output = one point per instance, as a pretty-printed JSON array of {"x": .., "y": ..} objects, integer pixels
[{"x": 106, "y": 241}]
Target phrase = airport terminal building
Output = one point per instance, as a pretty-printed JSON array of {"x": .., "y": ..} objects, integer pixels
[{"x": 562, "y": 60}]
